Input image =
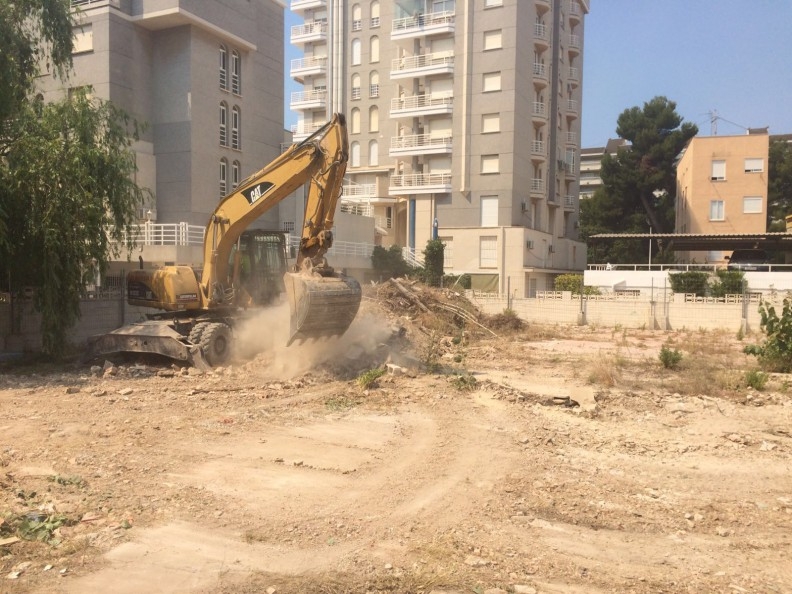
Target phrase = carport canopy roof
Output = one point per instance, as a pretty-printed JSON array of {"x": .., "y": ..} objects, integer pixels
[{"x": 717, "y": 241}]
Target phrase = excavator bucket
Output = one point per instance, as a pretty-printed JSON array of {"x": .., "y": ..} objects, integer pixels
[{"x": 320, "y": 305}]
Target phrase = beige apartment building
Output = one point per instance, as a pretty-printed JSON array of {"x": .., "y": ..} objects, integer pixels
[
  {"x": 200, "y": 76},
  {"x": 722, "y": 189},
  {"x": 591, "y": 165},
  {"x": 464, "y": 120}
]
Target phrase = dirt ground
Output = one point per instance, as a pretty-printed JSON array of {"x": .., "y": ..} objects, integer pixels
[{"x": 541, "y": 459}]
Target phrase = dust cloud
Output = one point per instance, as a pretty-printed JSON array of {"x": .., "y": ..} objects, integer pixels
[{"x": 263, "y": 337}]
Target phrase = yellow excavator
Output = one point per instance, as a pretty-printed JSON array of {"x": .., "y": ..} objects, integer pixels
[{"x": 242, "y": 268}]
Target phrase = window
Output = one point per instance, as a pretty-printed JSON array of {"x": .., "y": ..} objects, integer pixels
[
  {"x": 374, "y": 49},
  {"x": 374, "y": 85},
  {"x": 83, "y": 39},
  {"x": 491, "y": 3},
  {"x": 356, "y": 51},
  {"x": 489, "y": 211},
  {"x": 718, "y": 171},
  {"x": 752, "y": 204},
  {"x": 448, "y": 252},
  {"x": 236, "y": 124},
  {"x": 223, "y": 124},
  {"x": 287, "y": 226},
  {"x": 235, "y": 178},
  {"x": 354, "y": 154},
  {"x": 357, "y": 17},
  {"x": 492, "y": 82},
  {"x": 490, "y": 122},
  {"x": 356, "y": 86},
  {"x": 488, "y": 251},
  {"x": 223, "y": 68},
  {"x": 490, "y": 164},
  {"x": 493, "y": 40},
  {"x": 375, "y": 14},
  {"x": 754, "y": 165},
  {"x": 373, "y": 118},
  {"x": 236, "y": 73},
  {"x": 716, "y": 210},
  {"x": 354, "y": 123},
  {"x": 373, "y": 153},
  {"x": 223, "y": 178}
]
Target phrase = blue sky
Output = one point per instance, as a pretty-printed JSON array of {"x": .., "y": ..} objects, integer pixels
[{"x": 733, "y": 57}]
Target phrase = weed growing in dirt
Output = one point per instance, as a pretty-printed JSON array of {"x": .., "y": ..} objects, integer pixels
[
  {"x": 670, "y": 358},
  {"x": 507, "y": 320},
  {"x": 607, "y": 370},
  {"x": 756, "y": 379},
  {"x": 370, "y": 378},
  {"x": 341, "y": 403},
  {"x": 775, "y": 353},
  {"x": 464, "y": 382}
]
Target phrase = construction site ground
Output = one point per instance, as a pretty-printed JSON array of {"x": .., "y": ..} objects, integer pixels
[{"x": 487, "y": 458}]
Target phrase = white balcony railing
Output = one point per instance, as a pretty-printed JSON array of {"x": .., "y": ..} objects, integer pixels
[
  {"x": 420, "y": 181},
  {"x": 311, "y": 29},
  {"x": 540, "y": 31},
  {"x": 574, "y": 41},
  {"x": 359, "y": 191},
  {"x": 420, "y": 142},
  {"x": 167, "y": 234},
  {"x": 539, "y": 70},
  {"x": 312, "y": 96},
  {"x": 537, "y": 185},
  {"x": 422, "y": 102},
  {"x": 570, "y": 137},
  {"x": 423, "y": 23},
  {"x": 537, "y": 147},
  {"x": 305, "y": 129},
  {"x": 569, "y": 202},
  {"x": 538, "y": 108},
  {"x": 423, "y": 64},
  {"x": 310, "y": 63},
  {"x": 572, "y": 105}
]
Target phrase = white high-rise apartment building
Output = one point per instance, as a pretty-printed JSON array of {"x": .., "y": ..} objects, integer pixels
[{"x": 464, "y": 121}]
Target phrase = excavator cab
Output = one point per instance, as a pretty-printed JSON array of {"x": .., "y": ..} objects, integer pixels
[{"x": 257, "y": 264}]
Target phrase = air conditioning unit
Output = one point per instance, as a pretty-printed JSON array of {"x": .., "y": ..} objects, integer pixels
[{"x": 529, "y": 244}]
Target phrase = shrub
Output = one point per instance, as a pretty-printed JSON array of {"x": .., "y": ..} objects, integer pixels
[
  {"x": 728, "y": 282},
  {"x": 756, "y": 379},
  {"x": 369, "y": 378},
  {"x": 692, "y": 281},
  {"x": 775, "y": 353},
  {"x": 573, "y": 282},
  {"x": 670, "y": 358},
  {"x": 434, "y": 254},
  {"x": 389, "y": 263}
]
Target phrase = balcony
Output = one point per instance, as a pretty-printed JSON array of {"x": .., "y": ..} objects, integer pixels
[
  {"x": 303, "y": 130},
  {"x": 422, "y": 25},
  {"x": 570, "y": 137},
  {"x": 315, "y": 31},
  {"x": 420, "y": 183},
  {"x": 575, "y": 14},
  {"x": 541, "y": 36},
  {"x": 573, "y": 108},
  {"x": 537, "y": 187},
  {"x": 538, "y": 150},
  {"x": 539, "y": 111},
  {"x": 569, "y": 203},
  {"x": 302, "y": 67},
  {"x": 540, "y": 74},
  {"x": 574, "y": 44},
  {"x": 421, "y": 105},
  {"x": 574, "y": 75},
  {"x": 298, "y": 5},
  {"x": 420, "y": 144},
  {"x": 303, "y": 100},
  {"x": 353, "y": 192},
  {"x": 423, "y": 65}
]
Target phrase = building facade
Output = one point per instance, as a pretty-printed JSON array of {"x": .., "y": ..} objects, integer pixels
[
  {"x": 199, "y": 76},
  {"x": 591, "y": 165},
  {"x": 464, "y": 120},
  {"x": 721, "y": 188}
]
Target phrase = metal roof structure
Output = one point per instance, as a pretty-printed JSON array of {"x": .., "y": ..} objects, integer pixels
[{"x": 781, "y": 241}]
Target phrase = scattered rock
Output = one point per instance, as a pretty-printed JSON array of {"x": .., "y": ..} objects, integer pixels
[
  {"x": 125, "y": 391},
  {"x": 474, "y": 561}
]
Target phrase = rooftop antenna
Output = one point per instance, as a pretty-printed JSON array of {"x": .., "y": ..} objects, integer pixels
[{"x": 713, "y": 114}]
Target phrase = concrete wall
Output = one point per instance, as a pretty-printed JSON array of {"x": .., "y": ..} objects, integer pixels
[{"x": 647, "y": 281}]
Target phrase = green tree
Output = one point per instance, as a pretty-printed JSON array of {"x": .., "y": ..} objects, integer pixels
[
  {"x": 779, "y": 184},
  {"x": 434, "y": 255},
  {"x": 389, "y": 263},
  {"x": 638, "y": 182},
  {"x": 67, "y": 193}
]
